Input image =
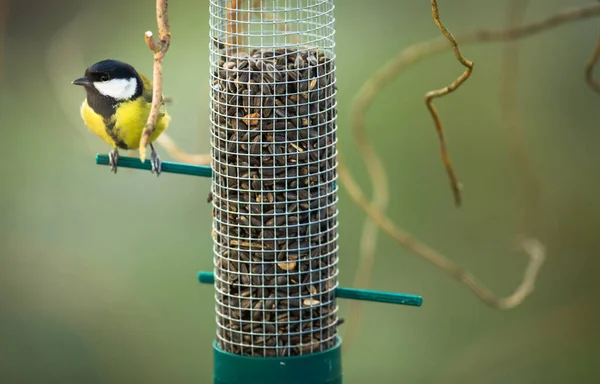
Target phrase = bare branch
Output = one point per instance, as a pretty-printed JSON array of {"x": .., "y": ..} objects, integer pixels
[
  {"x": 429, "y": 96},
  {"x": 159, "y": 49},
  {"x": 589, "y": 68}
]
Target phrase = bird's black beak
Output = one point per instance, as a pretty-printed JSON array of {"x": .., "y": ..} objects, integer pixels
[{"x": 81, "y": 81}]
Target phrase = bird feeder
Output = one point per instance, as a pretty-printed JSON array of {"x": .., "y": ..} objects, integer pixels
[{"x": 274, "y": 193}]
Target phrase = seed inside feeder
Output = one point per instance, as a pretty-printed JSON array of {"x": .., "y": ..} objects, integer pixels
[{"x": 274, "y": 202}]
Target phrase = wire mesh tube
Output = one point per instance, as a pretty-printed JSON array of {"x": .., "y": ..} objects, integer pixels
[{"x": 273, "y": 114}]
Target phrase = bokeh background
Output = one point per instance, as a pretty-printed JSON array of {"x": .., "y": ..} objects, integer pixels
[{"x": 98, "y": 272}]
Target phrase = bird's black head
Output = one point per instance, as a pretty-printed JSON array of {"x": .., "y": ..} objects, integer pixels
[{"x": 109, "y": 82}]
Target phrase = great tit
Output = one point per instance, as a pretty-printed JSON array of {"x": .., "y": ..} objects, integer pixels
[{"x": 117, "y": 105}]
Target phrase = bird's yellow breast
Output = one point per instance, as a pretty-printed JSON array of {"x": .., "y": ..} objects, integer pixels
[{"x": 124, "y": 128}]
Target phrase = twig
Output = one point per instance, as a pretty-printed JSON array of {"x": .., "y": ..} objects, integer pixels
[
  {"x": 589, "y": 68},
  {"x": 523, "y": 165},
  {"x": 159, "y": 49},
  {"x": 429, "y": 96},
  {"x": 532, "y": 247}
]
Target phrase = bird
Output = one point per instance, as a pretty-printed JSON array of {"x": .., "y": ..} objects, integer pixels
[{"x": 116, "y": 108}]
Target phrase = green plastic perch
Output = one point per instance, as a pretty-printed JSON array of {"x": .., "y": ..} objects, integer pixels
[
  {"x": 167, "y": 166},
  {"x": 351, "y": 293}
]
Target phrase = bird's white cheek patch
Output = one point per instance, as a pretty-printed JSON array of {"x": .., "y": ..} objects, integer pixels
[{"x": 119, "y": 89}]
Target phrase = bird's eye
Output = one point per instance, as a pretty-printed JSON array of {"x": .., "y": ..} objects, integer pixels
[{"x": 104, "y": 77}]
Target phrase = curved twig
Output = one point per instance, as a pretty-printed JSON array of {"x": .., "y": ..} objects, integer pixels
[{"x": 429, "y": 96}]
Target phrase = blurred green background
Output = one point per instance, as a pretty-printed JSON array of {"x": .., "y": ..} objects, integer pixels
[{"x": 98, "y": 272}]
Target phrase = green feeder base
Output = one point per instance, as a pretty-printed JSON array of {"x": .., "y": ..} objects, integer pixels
[{"x": 316, "y": 368}]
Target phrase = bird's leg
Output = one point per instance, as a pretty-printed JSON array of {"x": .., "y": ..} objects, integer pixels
[
  {"x": 155, "y": 160},
  {"x": 113, "y": 160}
]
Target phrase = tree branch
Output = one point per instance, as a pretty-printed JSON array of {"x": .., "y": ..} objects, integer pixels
[{"x": 159, "y": 49}]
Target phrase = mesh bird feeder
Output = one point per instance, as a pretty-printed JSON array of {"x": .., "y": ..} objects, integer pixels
[{"x": 274, "y": 193}]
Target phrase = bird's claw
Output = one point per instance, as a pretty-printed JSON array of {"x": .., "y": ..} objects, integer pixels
[
  {"x": 113, "y": 160},
  {"x": 156, "y": 163}
]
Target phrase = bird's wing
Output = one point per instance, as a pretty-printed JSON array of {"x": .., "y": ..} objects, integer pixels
[{"x": 148, "y": 95}]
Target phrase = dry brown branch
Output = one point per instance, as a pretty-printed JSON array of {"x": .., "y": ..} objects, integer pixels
[
  {"x": 589, "y": 68},
  {"x": 429, "y": 96},
  {"x": 414, "y": 54},
  {"x": 532, "y": 247},
  {"x": 523, "y": 165},
  {"x": 159, "y": 49}
]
